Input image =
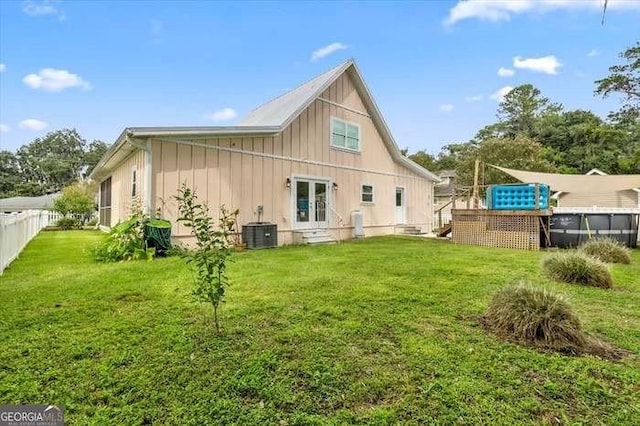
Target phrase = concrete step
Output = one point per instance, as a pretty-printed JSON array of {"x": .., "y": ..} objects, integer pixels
[
  {"x": 320, "y": 239},
  {"x": 408, "y": 230},
  {"x": 312, "y": 236}
]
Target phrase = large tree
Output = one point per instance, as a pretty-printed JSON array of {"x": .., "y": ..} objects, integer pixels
[
  {"x": 9, "y": 174},
  {"x": 52, "y": 162},
  {"x": 519, "y": 152},
  {"x": 624, "y": 80},
  {"x": 94, "y": 153},
  {"x": 521, "y": 108}
]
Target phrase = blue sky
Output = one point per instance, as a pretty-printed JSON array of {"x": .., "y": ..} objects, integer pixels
[{"x": 435, "y": 68}]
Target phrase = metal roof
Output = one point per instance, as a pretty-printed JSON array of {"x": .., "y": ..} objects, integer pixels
[{"x": 277, "y": 111}]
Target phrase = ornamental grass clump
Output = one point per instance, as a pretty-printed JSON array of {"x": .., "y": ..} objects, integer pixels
[
  {"x": 574, "y": 267},
  {"x": 535, "y": 317},
  {"x": 607, "y": 250}
]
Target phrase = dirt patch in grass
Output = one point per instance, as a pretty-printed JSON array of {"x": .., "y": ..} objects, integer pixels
[{"x": 132, "y": 297}]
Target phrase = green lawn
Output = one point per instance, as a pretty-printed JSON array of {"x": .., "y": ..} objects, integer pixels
[{"x": 381, "y": 331}]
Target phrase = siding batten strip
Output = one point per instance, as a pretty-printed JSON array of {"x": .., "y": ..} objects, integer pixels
[
  {"x": 336, "y": 104},
  {"x": 296, "y": 160}
]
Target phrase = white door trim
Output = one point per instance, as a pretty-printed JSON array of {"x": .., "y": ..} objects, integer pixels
[
  {"x": 311, "y": 211},
  {"x": 400, "y": 211}
]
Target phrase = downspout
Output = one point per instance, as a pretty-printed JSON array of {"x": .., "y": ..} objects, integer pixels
[{"x": 146, "y": 148}]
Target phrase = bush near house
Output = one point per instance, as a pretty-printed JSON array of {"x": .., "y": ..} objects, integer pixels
[
  {"x": 76, "y": 200},
  {"x": 574, "y": 267},
  {"x": 607, "y": 250}
]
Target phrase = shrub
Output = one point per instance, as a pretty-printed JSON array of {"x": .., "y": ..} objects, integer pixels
[
  {"x": 126, "y": 240},
  {"x": 67, "y": 223},
  {"x": 208, "y": 260},
  {"x": 536, "y": 317},
  {"x": 607, "y": 250},
  {"x": 76, "y": 199},
  {"x": 576, "y": 268}
]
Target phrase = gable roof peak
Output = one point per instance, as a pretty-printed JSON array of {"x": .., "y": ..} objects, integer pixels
[{"x": 281, "y": 109}]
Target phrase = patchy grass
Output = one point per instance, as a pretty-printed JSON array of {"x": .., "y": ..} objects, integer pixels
[{"x": 380, "y": 331}]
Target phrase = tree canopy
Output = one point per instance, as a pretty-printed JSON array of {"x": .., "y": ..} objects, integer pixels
[
  {"x": 534, "y": 133},
  {"x": 48, "y": 164}
]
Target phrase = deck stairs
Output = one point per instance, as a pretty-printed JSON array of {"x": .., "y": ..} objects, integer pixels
[{"x": 445, "y": 230}]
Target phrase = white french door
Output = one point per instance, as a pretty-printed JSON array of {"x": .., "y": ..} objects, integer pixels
[{"x": 311, "y": 203}]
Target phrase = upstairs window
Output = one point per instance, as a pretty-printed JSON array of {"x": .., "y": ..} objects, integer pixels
[{"x": 345, "y": 135}]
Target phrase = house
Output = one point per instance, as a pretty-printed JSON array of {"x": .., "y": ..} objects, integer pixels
[
  {"x": 307, "y": 161},
  {"x": 599, "y": 199},
  {"x": 445, "y": 189},
  {"x": 19, "y": 204}
]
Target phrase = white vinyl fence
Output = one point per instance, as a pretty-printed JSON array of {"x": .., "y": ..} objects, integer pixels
[{"x": 16, "y": 230}]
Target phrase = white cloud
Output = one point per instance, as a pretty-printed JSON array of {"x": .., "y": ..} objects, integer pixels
[
  {"x": 499, "y": 94},
  {"x": 446, "y": 107},
  {"x": 3, "y": 67},
  {"x": 42, "y": 8},
  {"x": 593, "y": 52},
  {"x": 506, "y": 72},
  {"x": 53, "y": 80},
  {"x": 504, "y": 10},
  {"x": 327, "y": 50},
  {"x": 476, "y": 98},
  {"x": 32, "y": 124},
  {"x": 224, "y": 114},
  {"x": 4, "y": 128},
  {"x": 545, "y": 64}
]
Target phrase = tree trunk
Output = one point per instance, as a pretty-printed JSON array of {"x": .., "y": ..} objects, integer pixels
[{"x": 215, "y": 318}]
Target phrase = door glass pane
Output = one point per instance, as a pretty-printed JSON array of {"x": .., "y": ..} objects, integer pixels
[
  {"x": 302, "y": 201},
  {"x": 321, "y": 201},
  {"x": 398, "y": 197}
]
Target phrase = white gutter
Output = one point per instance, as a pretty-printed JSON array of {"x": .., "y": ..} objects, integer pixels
[{"x": 148, "y": 176}]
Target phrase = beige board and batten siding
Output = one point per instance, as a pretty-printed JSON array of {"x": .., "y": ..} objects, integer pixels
[
  {"x": 121, "y": 186},
  {"x": 615, "y": 199},
  {"x": 244, "y": 172}
]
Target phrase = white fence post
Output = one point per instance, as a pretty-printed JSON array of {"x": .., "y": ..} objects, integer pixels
[{"x": 16, "y": 230}]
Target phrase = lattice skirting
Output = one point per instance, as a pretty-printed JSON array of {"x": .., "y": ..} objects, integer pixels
[{"x": 491, "y": 230}]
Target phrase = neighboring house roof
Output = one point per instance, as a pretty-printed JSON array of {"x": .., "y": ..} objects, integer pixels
[
  {"x": 593, "y": 181},
  {"x": 447, "y": 187},
  {"x": 590, "y": 173},
  {"x": 14, "y": 204},
  {"x": 447, "y": 173},
  {"x": 269, "y": 118}
]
